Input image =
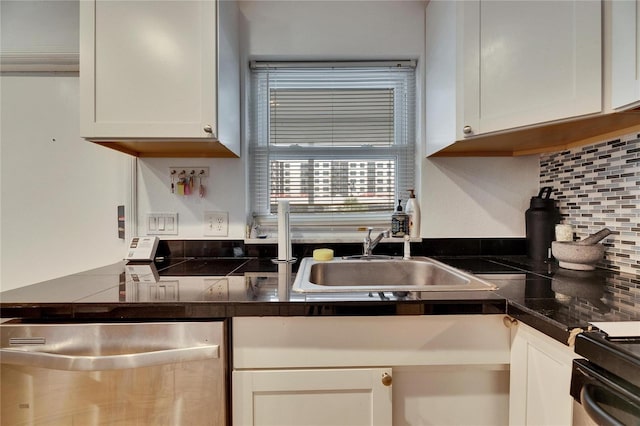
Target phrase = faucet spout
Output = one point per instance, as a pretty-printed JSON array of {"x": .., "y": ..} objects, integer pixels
[{"x": 370, "y": 244}]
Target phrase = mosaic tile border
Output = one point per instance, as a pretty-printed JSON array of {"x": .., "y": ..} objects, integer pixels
[{"x": 598, "y": 186}]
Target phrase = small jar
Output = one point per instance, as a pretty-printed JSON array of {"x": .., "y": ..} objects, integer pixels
[{"x": 564, "y": 232}]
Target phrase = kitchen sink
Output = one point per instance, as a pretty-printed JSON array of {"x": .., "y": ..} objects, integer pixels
[{"x": 395, "y": 274}]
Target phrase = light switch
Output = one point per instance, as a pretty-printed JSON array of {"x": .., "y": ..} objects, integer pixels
[{"x": 162, "y": 224}]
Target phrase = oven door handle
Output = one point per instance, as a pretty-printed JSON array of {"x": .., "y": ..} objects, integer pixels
[
  {"x": 57, "y": 361},
  {"x": 592, "y": 408}
]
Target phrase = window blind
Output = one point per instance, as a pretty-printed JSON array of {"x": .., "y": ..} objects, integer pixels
[{"x": 336, "y": 141}]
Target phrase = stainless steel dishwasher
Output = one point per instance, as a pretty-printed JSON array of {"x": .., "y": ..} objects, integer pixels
[{"x": 113, "y": 373}]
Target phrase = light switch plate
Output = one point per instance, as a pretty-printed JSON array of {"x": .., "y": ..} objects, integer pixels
[
  {"x": 163, "y": 291},
  {"x": 162, "y": 224},
  {"x": 216, "y": 224}
]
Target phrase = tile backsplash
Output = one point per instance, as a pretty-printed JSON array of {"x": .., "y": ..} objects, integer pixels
[{"x": 598, "y": 186}]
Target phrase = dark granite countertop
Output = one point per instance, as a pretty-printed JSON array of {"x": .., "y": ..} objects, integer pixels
[{"x": 540, "y": 294}]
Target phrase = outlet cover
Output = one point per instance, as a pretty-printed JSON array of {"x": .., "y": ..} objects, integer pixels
[
  {"x": 216, "y": 224},
  {"x": 216, "y": 289}
]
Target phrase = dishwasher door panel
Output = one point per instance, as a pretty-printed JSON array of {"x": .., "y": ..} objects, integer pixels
[{"x": 185, "y": 383}]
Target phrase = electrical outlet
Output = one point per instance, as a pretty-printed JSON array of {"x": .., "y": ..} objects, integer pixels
[
  {"x": 216, "y": 289},
  {"x": 216, "y": 224}
]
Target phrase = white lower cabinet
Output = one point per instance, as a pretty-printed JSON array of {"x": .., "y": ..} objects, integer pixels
[
  {"x": 540, "y": 379},
  {"x": 319, "y": 397},
  {"x": 401, "y": 370},
  {"x": 450, "y": 395}
]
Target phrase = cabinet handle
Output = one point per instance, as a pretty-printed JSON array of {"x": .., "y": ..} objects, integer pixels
[
  {"x": 208, "y": 129},
  {"x": 71, "y": 362},
  {"x": 509, "y": 322},
  {"x": 386, "y": 379},
  {"x": 467, "y": 130}
]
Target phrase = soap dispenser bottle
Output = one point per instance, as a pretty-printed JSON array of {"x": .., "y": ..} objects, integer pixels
[
  {"x": 399, "y": 222},
  {"x": 413, "y": 210}
]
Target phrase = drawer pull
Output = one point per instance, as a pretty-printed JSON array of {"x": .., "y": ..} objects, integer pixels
[{"x": 386, "y": 379}]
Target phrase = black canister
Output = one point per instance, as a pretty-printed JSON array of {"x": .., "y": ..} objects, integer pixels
[{"x": 541, "y": 219}]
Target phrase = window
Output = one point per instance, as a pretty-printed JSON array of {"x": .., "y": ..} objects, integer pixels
[{"x": 336, "y": 140}]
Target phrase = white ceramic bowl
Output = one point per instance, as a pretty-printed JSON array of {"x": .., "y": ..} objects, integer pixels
[{"x": 575, "y": 256}]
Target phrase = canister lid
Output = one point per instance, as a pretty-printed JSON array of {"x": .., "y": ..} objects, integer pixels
[{"x": 542, "y": 203}]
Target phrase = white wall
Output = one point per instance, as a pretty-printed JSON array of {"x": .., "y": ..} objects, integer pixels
[
  {"x": 224, "y": 191},
  {"x": 38, "y": 26},
  {"x": 58, "y": 211},
  {"x": 59, "y": 193},
  {"x": 459, "y": 197},
  {"x": 358, "y": 29},
  {"x": 477, "y": 197}
]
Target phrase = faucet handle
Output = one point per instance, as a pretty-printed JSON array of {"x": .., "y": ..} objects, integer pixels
[
  {"x": 385, "y": 233},
  {"x": 369, "y": 229}
]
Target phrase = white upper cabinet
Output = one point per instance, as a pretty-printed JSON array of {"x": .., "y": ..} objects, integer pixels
[
  {"x": 625, "y": 54},
  {"x": 498, "y": 65},
  {"x": 151, "y": 73}
]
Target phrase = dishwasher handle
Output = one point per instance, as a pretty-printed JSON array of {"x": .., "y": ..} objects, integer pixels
[{"x": 57, "y": 361}]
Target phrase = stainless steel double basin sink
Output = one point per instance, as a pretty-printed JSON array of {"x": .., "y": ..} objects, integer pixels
[{"x": 379, "y": 275}]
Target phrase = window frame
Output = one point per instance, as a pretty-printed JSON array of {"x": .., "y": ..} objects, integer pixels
[{"x": 403, "y": 151}]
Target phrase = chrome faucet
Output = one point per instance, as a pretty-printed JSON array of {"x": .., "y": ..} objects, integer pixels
[{"x": 370, "y": 244}]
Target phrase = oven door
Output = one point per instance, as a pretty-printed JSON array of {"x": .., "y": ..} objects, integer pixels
[{"x": 606, "y": 399}]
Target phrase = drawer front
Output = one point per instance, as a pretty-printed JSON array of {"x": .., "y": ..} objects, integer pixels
[{"x": 292, "y": 342}]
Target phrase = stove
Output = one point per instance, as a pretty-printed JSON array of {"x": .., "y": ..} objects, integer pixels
[{"x": 607, "y": 382}]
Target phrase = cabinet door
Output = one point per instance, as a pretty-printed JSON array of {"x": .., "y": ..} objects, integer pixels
[
  {"x": 540, "y": 380},
  {"x": 320, "y": 397},
  {"x": 148, "y": 68},
  {"x": 625, "y": 53},
  {"x": 529, "y": 62}
]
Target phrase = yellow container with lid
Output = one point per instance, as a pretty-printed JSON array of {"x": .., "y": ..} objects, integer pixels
[{"x": 323, "y": 254}]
